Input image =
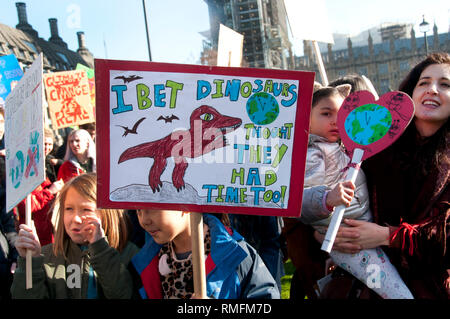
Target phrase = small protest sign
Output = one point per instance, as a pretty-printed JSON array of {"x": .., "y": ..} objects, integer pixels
[
  {"x": 91, "y": 79},
  {"x": 10, "y": 75},
  {"x": 69, "y": 99},
  {"x": 366, "y": 127},
  {"x": 309, "y": 20},
  {"x": 229, "y": 49},
  {"x": 24, "y": 130}
]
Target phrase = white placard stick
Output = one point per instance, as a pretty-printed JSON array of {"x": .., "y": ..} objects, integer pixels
[
  {"x": 371, "y": 87},
  {"x": 198, "y": 255},
  {"x": 323, "y": 74},
  {"x": 28, "y": 260},
  {"x": 336, "y": 219}
]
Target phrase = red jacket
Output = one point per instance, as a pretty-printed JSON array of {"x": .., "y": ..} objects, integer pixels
[
  {"x": 68, "y": 170},
  {"x": 41, "y": 201}
]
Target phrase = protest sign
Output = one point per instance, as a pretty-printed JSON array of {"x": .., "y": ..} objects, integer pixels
[
  {"x": 24, "y": 127},
  {"x": 10, "y": 74},
  {"x": 366, "y": 127},
  {"x": 309, "y": 21},
  {"x": 68, "y": 97},
  {"x": 201, "y": 139},
  {"x": 229, "y": 48},
  {"x": 91, "y": 79},
  {"x": 24, "y": 144}
]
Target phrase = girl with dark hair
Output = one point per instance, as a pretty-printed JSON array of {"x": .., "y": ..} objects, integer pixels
[{"x": 234, "y": 270}]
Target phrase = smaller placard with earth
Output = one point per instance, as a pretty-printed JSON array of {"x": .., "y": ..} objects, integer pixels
[
  {"x": 372, "y": 125},
  {"x": 202, "y": 138}
]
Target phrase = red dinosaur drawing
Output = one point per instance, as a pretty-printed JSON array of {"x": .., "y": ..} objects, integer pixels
[{"x": 206, "y": 133}]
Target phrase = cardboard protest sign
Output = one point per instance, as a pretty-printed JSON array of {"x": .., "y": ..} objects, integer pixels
[
  {"x": 10, "y": 75},
  {"x": 367, "y": 126},
  {"x": 91, "y": 79},
  {"x": 229, "y": 48},
  {"x": 24, "y": 130},
  {"x": 201, "y": 139},
  {"x": 309, "y": 20},
  {"x": 372, "y": 125},
  {"x": 68, "y": 97}
]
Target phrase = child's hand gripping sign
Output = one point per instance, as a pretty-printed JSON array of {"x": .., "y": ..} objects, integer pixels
[{"x": 367, "y": 127}]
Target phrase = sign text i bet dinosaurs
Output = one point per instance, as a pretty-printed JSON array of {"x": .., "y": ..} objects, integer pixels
[{"x": 201, "y": 139}]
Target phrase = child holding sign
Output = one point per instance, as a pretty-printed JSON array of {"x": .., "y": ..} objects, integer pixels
[
  {"x": 42, "y": 199},
  {"x": 90, "y": 255},
  {"x": 233, "y": 268},
  {"x": 326, "y": 166}
]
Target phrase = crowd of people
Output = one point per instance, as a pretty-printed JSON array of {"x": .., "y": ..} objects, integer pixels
[{"x": 397, "y": 217}]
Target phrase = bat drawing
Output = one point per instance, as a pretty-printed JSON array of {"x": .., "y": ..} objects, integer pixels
[
  {"x": 133, "y": 130},
  {"x": 168, "y": 118},
  {"x": 127, "y": 79}
]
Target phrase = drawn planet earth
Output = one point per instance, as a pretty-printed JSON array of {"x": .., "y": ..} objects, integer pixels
[
  {"x": 368, "y": 123},
  {"x": 262, "y": 108}
]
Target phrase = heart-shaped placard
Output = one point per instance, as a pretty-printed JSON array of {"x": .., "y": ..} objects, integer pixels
[
  {"x": 371, "y": 125},
  {"x": 367, "y": 127}
]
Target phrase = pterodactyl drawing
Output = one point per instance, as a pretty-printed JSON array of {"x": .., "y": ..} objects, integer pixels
[
  {"x": 168, "y": 118},
  {"x": 133, "y": 130},
  {"x": 127, "y": 79}
]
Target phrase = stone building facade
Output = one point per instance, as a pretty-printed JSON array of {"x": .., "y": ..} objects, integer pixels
[{"x": 385, "y": 63}]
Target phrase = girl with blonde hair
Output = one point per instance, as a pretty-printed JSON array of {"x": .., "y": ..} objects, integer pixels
[
  {"x": 80, "y": 155},
  {"x": 90, "y": 253}
]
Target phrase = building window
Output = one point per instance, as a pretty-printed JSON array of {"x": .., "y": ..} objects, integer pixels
[
  {"x": 342, "y": 73},
  {"x": 363, "y": 71},
  {"x": 383, "y": 68},
  {"x": 62, "y": 56},
  {"x": 384, "y": 86},
  {"x": 32, "y": 46},
  {"x": 404, "y": 65}
]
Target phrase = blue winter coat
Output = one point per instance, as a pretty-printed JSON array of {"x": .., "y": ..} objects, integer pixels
[{"x": 233, "y": 268}]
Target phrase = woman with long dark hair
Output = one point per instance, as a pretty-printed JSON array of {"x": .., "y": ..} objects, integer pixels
[{"x": 409, "y": 188}]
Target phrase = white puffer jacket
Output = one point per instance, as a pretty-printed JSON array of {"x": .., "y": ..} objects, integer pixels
[{"x": 325, "y": 168}]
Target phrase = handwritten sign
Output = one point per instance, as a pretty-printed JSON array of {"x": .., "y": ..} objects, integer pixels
[
  {"x": 10, "y": 75},
  {"x": 229, "y": 48},
  {"x": 309, "y": 20},
  {"x": 24, "y": 127},
  {"x": 198, "y": 138},
  {"x": 91, "y": 79},
  {"x": 372, "y": 125},
  {"x": 68, "y": 97}
]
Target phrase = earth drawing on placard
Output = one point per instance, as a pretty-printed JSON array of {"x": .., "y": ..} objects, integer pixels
[
  {"x": 368, "y": 123},
  {"x": 262, "y": 108}
]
